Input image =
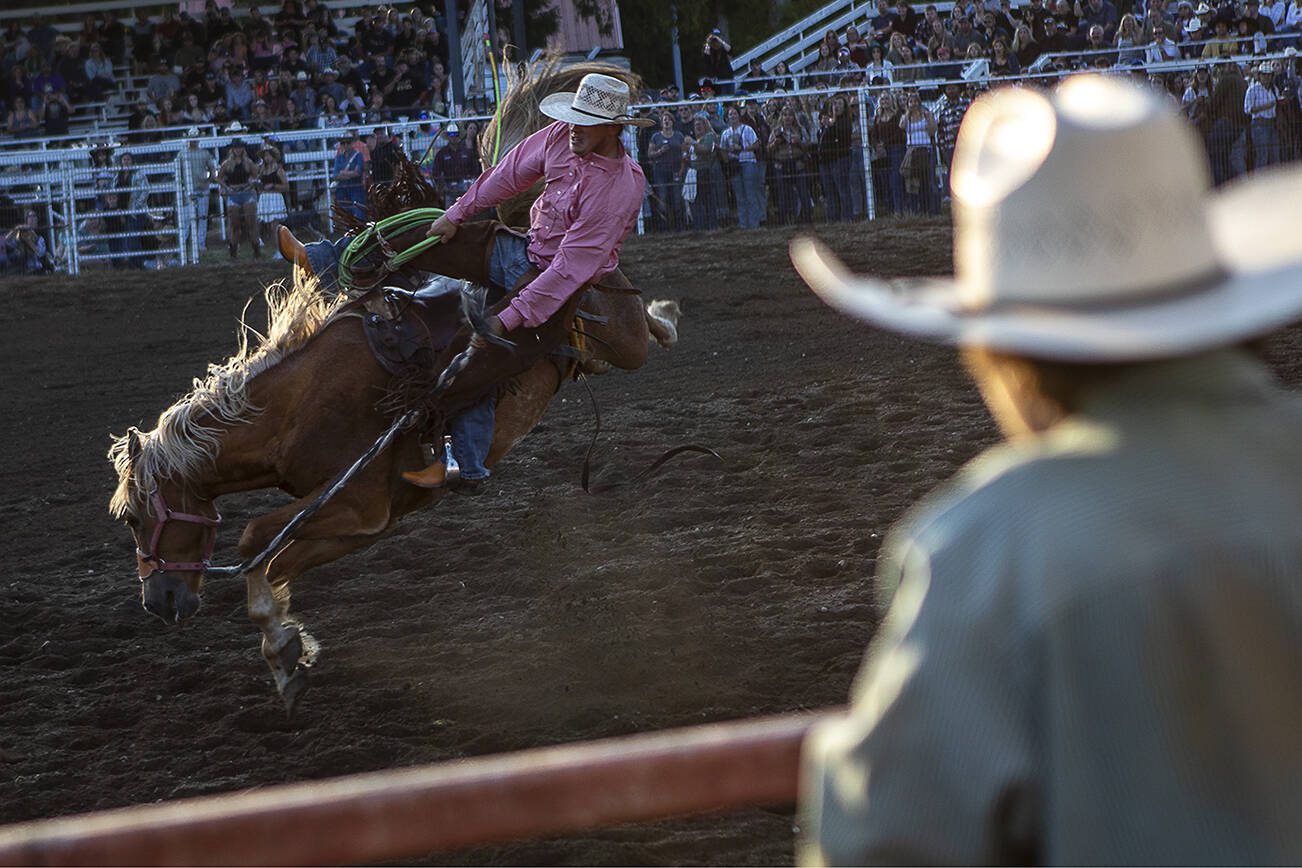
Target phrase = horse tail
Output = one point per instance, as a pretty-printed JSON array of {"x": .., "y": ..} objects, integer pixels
[
  {"x": 662, "y": 317},
  {"x": 520, "y": 115}
]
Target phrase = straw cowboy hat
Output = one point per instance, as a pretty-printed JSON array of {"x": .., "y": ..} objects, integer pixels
[
  {"x": 601, "y": 99},
  {"x": 1085, "y": 230}
]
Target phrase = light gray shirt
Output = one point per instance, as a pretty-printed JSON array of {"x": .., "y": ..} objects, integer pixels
[{"x": 1094, "y": 652}]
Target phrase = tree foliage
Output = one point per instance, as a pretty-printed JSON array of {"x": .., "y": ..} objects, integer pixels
[{"x": 647, "y": 30}]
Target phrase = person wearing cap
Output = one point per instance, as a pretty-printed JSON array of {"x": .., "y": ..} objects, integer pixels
[
  {"x": 163, "y": 83},
  {"x": 1259, "y": 103},
  {"x": 304, "y": 97},
  {"x": 455, "y": 165},
  {"x": 1091, "y": 653},
  {"x": 196, "y": 170},
  {"x": 237, "y": 178},
  {"x": 590, "y": 202},
  {"x": 348, "y": 171}
]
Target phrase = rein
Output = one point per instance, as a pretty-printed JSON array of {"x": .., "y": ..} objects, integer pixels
[
  {"x": 647, "y": 471},
  {"x": 406, "y": 420},
  {"x": 373, "y": 238}
]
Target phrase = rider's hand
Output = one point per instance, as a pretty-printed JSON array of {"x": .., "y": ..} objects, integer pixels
[{"x": 443, "y": 228}]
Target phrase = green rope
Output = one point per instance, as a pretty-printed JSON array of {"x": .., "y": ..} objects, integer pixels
[{"x": 368, "y": 241}]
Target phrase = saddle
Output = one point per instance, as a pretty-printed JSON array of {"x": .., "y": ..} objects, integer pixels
[{"x": 408, "y": 329}]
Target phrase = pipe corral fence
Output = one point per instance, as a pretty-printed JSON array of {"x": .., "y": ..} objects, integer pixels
[
  {"x": 90, "y": 215},
  {"x": 447, "y": 806}
]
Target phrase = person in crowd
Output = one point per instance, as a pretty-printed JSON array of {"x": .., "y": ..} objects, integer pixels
[
  {"x": 456, "y": 165},
  {"x": 1260, "y": 102},
  {"x": 273, "y": 188},
  {"x": 856, "y": 45},
  {"x": 303, "y": 97},
  {"x": 738, "y": 144},
  {"x": 919, "y": 167},
  {"x": 789, "y": 152},
  {"x": 1293, "y": 17},
  {"x": 716, "y": 58},
  {"x": 878, "y": 66},
  {"x": 1196, "y": 101},
  {"x": 164, "y": 82},
  {"x": 332, "y": 116},
  {"x": 196, "y": 170},
  {"x": 1221, "y": 44},
  {"x": 100, "y": 77},
  {"x": 384, "y": 150},
  {"x": 951, "y": 108},
  {"x": 834, "y": 155},
  {"x": 239, "y": 94},
  {"x": 882, "y": 24},
  {"x": 1129, "y": 42},
  {"x": 237, "y": 178},
  {"x": 348, "y": 173},
  {"x": 824, "y": 70},
  {"x": 24, "y": 248},
  {"x": 22, "y": 122},
  {"x": 1025, "y": 47},
  {"x": 702, "y": 147},
  {"x": 1003, "y": 62},
  {"x": 1031, "y": 697},
  {"x": 56, "y": 112},
  {"x": 1288, "y": 116},
  {"x": 1163, "y": 48},
  {"x": 783, "y": 79},
  {"x": 132, "y": 191},
  {"x": 907, "y": 69},
  {"x": 666, "y": 156},
  {"x": 886, "y": 142}
]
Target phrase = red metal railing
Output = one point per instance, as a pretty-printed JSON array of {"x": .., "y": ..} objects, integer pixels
[{"x": 410, "y": 812}]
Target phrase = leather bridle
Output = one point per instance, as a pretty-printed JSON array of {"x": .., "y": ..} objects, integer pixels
[{"x": 149, "y": 562}]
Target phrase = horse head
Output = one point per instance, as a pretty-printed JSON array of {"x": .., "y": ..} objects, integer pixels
[{"x": 174, "y": 529}]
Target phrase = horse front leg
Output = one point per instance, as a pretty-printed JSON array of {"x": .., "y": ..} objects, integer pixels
[
  {"x": 339, "y": 528},
  {"x": 286, "y": 646}
]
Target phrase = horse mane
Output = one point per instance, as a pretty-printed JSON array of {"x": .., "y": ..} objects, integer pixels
[
  {"x": 187, "y": 435},
  {"x": 519, "y": 117}
]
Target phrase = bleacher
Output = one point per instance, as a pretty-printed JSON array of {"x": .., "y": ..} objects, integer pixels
[{"x": 108, "y": 116}]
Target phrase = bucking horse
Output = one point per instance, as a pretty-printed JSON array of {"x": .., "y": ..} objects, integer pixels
[{"x": 296, "y": 406}]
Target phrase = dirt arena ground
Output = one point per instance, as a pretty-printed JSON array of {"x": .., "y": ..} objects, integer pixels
[{"x": 530, "y": 616}]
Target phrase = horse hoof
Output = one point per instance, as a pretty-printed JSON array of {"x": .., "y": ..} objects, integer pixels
[
  {"x": 293, "y": 691},
  {"x": 291, "y": 653}
]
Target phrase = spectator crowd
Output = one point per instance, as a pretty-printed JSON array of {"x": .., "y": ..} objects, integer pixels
[
  {"x": 291, "y": 70},
  {"x": 773, "y": 147},
  {"x": 876, "y": 115}
]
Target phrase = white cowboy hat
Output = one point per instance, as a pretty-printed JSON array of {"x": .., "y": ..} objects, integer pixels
[
  {"x": 601, "y": 99},
  {"x": 1085, "y": 231}
]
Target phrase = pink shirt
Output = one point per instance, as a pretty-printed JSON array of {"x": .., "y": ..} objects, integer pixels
[{"x": 588, "y": 206}]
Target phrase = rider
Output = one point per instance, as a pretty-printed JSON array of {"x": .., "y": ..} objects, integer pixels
[{"x": 589, "y": 204}]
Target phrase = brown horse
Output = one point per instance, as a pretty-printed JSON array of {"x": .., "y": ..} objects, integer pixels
[{"x": 265, "y": 419}]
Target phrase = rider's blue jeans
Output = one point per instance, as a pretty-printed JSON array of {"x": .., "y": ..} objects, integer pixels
[{"x": 472, "y": 429}]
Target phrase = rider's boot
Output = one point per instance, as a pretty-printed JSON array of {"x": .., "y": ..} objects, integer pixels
[
  {"x": 433, "y": 476},
  {"x": 292, "y": 249}
]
